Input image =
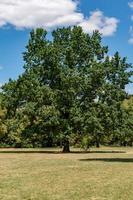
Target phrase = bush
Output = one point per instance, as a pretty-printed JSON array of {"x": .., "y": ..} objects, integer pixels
[{"x": 86, "y": 142}]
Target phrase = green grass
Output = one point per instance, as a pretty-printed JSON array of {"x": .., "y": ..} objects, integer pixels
[{"x": 57, "y": 176}]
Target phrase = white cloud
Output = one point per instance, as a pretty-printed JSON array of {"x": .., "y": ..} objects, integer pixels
[
  {"x": 36, "y": 13},
  {"x": 130, "y": 41},
  {"x": 1, "y": 67},
  {"x": 97, "y": 21},
  {"x": 130, "y": 4},
  {"x": 129, "y": 88},
  {"x": 53, "y": 13}
]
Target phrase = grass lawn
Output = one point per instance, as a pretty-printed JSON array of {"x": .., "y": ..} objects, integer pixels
[{"x": 78, "y": 176}]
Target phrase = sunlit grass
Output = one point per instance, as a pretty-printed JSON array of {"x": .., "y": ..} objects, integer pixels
[{"x": 51, "y": 176}]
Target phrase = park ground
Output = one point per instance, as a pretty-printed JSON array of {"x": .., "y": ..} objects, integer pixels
[{"x": 104, "y": 174}]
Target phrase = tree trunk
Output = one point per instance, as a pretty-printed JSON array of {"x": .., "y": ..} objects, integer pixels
[
  {"x": 61, "y": 143},
  {"x": 50, "y": 142},
  {"x": 66, "y": 147},
  {"x": 124, "y": 143},
  {"x": 97, "y": 143},
  {"x": 130, "y": 143}
]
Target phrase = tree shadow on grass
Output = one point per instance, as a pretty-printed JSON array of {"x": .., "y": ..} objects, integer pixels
[
  {"x": 19, "y": 151},
  {"x": 105, "y": 151},
  {"x": 126, "y": 160},
  {"x": 30, "y": 152}
]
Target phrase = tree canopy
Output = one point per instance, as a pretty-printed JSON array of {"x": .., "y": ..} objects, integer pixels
[{"x": 70, "y": 88}]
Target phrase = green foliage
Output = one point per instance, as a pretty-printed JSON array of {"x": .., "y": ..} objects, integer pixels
[
  {"x": 86, "y": 142},
  {"x": 69, "y": 87}
]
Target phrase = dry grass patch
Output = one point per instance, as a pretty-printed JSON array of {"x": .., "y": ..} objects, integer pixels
[{"x": 47, "y": 176}]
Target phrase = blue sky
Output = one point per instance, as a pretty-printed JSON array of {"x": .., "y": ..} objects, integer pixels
[{"x": 113, "y": 18}]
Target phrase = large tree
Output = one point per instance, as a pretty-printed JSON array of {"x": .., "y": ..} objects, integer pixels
[{"x": 69, "y": 86}]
